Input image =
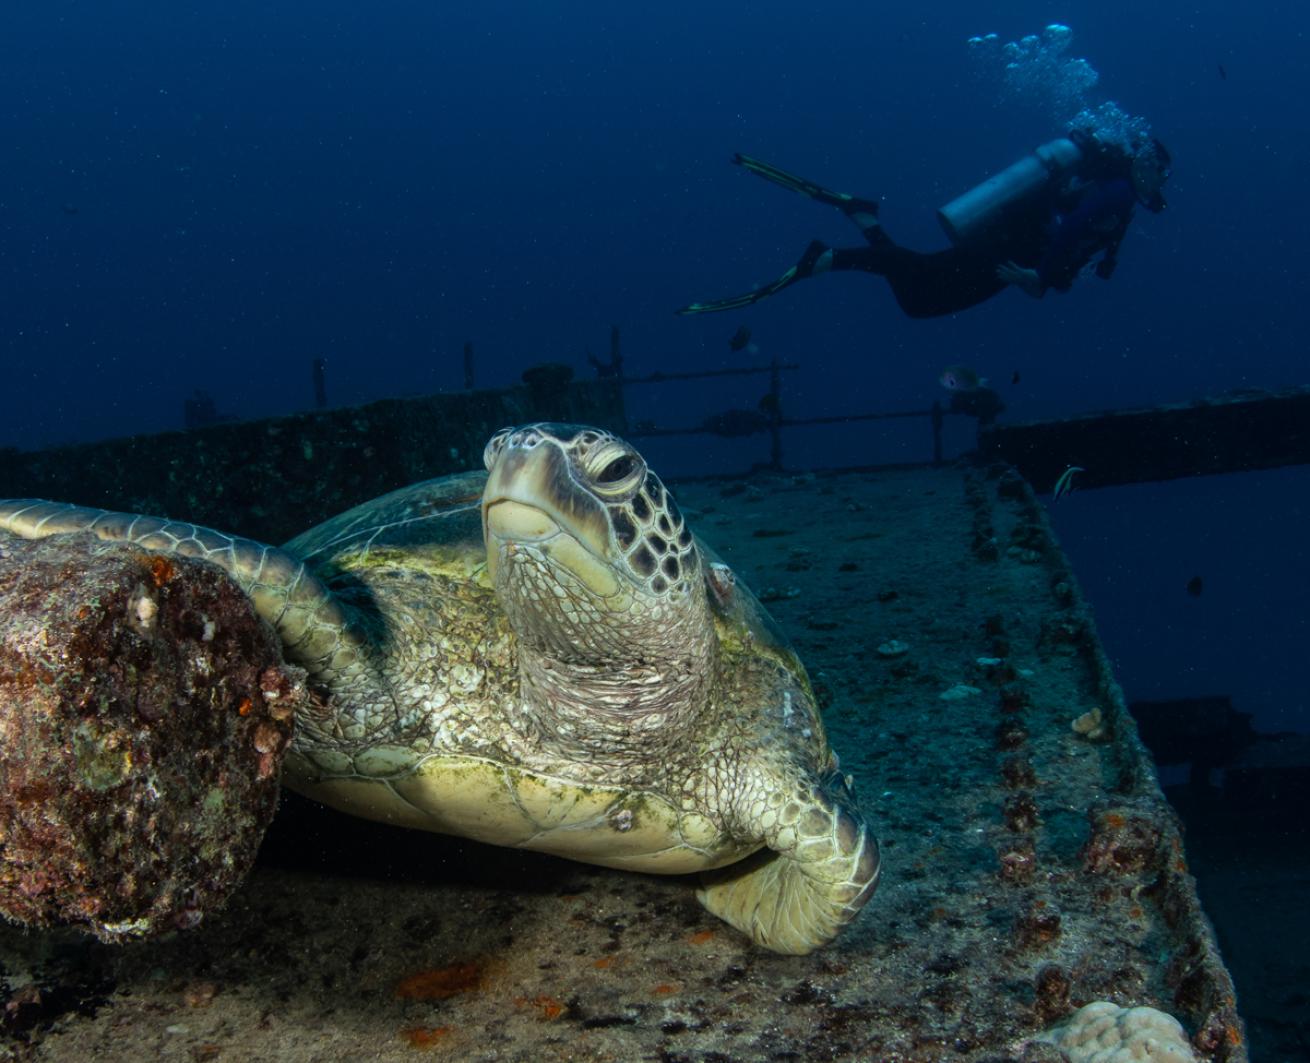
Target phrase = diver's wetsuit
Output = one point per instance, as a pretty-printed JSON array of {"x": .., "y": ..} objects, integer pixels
[
  {"x": 932, "y": 283},
  {"x": 1056, "y": 234}
]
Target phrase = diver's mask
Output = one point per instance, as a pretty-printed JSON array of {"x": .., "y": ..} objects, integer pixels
[{"x": 1150, "y": 170}]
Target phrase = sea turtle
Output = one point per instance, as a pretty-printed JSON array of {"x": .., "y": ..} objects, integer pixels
[{"x": 544, "y": 656}]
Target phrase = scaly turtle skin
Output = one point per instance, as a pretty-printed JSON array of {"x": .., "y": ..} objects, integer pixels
[{"x": 544, "y": 656}]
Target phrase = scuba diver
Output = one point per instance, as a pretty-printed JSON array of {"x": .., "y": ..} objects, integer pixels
[{"x": 1034, "y": 225}]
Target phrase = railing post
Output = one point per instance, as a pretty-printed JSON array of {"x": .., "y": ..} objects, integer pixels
[
  {"x": 320, "y": 383},
  {"x": 937, "y": 419},
  {"x": 616, "y": 354},
  {"x": 775, "y": 413}
]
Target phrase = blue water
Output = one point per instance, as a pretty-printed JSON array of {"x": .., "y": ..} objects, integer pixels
[{"x": 210, "y": 196}]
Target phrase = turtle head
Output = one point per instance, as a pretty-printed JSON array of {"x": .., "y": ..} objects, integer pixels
[
  {"x": 579, "y": 533},
  {"x": 596, "y": 570}
]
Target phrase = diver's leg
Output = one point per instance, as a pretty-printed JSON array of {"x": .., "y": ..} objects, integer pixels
[
  {"x": 925, "y": 284},
  {"x": 863, "y": 212},
  {"x": 816, "y": 259}
]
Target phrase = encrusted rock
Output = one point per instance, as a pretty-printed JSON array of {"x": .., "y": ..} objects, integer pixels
[
  {"x": 1123, "y": 841},
  {"x": 144, "y": 714}
]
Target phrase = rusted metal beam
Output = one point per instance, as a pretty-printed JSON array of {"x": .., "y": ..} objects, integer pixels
[{"x": 1235, "y": 432}]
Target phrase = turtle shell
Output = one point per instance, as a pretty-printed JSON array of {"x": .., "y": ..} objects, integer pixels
[{"x": 433, "y": 515}]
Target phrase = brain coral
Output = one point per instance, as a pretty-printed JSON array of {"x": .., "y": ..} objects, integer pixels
[{"x": 1102, "y": 1032}]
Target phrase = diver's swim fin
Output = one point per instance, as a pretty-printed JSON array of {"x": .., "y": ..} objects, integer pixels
[
  {"x": 863, "y": 212},
  {"x": 808, "y": 265},
  {"x": 791, "y": 181}
]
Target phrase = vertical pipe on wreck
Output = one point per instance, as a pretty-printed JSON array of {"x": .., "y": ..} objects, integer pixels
[{"x": 320, "y": 383}]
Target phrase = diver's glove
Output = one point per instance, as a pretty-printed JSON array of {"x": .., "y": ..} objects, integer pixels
[{"x": 1028, "y": 281}]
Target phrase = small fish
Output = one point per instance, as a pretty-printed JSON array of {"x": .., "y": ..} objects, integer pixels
[
  {"x": 961, "y": 378},
  {"x": 1223, "y": 74},
  {"x": 1014, "y": 377},
  {"x": 1195, "y": 586},
  {"x": 740, "y": 338},
  {"x": 1065, "y": 483}
]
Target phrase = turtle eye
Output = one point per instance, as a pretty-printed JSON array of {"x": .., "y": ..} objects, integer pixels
[
  {"x": 615, "y": 469},
  {"x": 494, "y": 446}
]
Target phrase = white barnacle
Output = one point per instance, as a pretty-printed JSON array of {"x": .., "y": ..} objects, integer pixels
[
  {"x": 145, "y": 609},
  {"x": 210, "y": 630}
]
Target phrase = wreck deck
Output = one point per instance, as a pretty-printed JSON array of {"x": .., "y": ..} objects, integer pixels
[{"x": 1027, "y": 868}]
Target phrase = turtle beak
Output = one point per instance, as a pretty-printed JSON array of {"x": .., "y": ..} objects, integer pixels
[{"x": 533, "y": 498}]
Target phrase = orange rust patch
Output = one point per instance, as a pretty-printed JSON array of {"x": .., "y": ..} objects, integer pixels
[
  {"x": 424, "y": 1036},
  {"x": 244, "y": 706},
  {"x": 603, "y": 962},
  {"x": 440, "y": 983},
  {"x": 199, "y": 994},
  {"x": 701, "y": 936},
  {"x": 664, "y": 989},
  {"x": 549, "y": 1007},
  {"x": 161, "y": 570},
  {"x": 1114, "y": 820}
]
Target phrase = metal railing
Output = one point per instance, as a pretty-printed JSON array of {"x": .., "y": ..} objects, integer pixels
[{"x": 767, "y": 417}]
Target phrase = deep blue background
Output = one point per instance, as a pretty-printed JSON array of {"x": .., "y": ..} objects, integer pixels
[{"x": 212, "y": 195}]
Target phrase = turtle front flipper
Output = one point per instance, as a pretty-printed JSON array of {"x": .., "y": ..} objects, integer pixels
[
  {"x": 820, "y": 866},
  {"x": 314, "y": 629}
]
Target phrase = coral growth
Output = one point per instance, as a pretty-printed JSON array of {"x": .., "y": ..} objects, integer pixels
[
  {"x": 144, "y": 713},
  {"x": 1102, "y": 1032}
]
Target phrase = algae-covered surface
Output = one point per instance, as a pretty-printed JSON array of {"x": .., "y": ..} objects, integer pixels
[{"x": 1029, "y": 865}]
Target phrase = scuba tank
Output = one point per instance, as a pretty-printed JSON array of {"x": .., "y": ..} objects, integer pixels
[{"x": 966, "y": 216}]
